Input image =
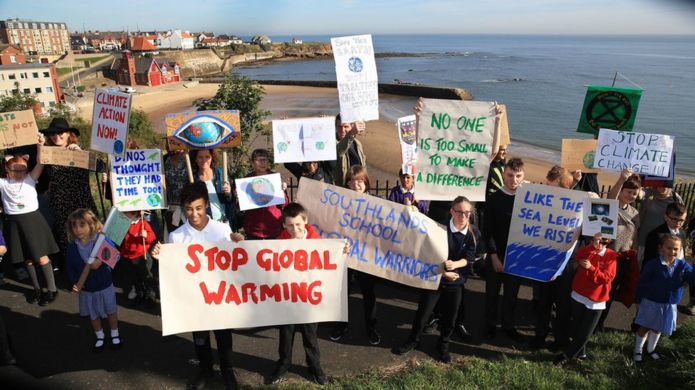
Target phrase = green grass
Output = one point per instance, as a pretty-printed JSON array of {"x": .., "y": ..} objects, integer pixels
[
  {"x": 93, "y": 58},
  {"x": 64, "y": 71},
  {"x": 611, "y": 367}
]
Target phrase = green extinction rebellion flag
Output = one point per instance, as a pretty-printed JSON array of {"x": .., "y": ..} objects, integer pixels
[{"x": 609, "y": 108}]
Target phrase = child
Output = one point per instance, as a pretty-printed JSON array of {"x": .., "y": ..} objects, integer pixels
[
  {"x": 28, "y": 236},
  {"x": 133, "y": 250},
  {"x": 265, "y": 222},
  {"x": 97, "y": 296},
  {"x": 296, "y": 227},
  {"x": 200, "y": 227},
  {"x": 404, "y": 193},
  {"x": 659, "y": 290},
  {"x": 590, "y": 292}
]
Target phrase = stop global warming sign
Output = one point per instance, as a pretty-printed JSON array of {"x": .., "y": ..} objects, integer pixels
[
  {"x": 137, "y": 182},
  {"x": 110, "y": 121},
  {"x": 453, "y": 154}
]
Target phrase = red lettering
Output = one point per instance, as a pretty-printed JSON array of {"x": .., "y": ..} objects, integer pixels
[
  {"x": 249, "y": 290},
  {"x": 315, "y": 295},
  {"x": 192, "y": 254},
  {"x": 316, "y": 262},
  {"x": 327, "y": 265},
  {"x": 223, "y": 260},
  {"x": 285, "y": 260},
  {"x": 210, "y": 253},
  {"x": 211, "y": 296},
  {"x": 300, "y": 260},
  {"x": 261, "y": 260},
  {"x": 106, "y": 132},
  {"x": 298, "y": 291},
  {"x": 240, "y": 257},
  {"x": 232, "y": 295},
  {"x": 271, "y": 292}
]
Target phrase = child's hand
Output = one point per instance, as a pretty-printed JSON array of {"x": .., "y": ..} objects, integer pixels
[
  {"x": 41, "y": 140},
  {"x": 155, "y": 251},
  {"x": 226, "y": 188},
  {"x": 237, "y": 237},
  {"x": 451, "y": 276},
  {"x": 586, "y": 264},
  {"x": 76, "y": 288},
  {"x": 449, "y": 265},
  {"x": 284, "y": 186},
  {"x": 74, "y": 147},
  {"x": 143, "y": 233},
  {"x": 346, "y": 248}
]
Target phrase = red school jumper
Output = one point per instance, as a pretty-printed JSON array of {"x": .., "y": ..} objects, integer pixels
[{"x": 595, "y": 283}]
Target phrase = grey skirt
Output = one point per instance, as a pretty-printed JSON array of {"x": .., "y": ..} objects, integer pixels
[
  {"x": 98, "y": 304},
  {"x": 28, "y": 237}
]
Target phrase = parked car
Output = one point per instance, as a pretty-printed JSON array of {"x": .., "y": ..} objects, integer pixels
[{"x": 128, "y": 89}]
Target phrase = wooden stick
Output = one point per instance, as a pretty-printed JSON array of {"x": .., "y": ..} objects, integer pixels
[
  {"x": 225, "y": 177},
  {"x": 188, "y": 168}
]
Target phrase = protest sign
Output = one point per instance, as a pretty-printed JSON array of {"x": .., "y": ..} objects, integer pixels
[
  {"x": 105, "y": 250},
  {"x": 387, "y": 239},
  {"x": 110, "y": 121},
  {"x": 137, "y": 182},
  {"x": 358, "y": 85},
  {"x": 662, "y": 181},
  {"x": 304, "y": 139},
  {"x": 578, "y": 154},
  {"x": 545, "y": 226},
  {"x": 407, "y": 134},
  {"x": 56, "y": 155},
  {"x": 453, "y": 154},
  {"x": 645, "y": 154},
  {"x": 600, "y": 216},
  {"x": 259, "y": 191},
  {"x": 609, "y": 108},
  {"x": 252, "y": 283},
  {"x": 203, "y": 129},
  {"x": 18, "y": 128}
]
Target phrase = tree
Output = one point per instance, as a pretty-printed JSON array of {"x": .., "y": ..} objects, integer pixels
[
  {"x": 140, "y": 130},
  {"x": 17, "y": 101},
  {"x": 243, "y": 94}
]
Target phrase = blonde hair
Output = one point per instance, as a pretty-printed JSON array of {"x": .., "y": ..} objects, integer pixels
[{"x": 87, "y": 216}]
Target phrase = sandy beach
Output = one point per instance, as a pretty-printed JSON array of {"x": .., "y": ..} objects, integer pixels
[{"x": 380, "y": 140}]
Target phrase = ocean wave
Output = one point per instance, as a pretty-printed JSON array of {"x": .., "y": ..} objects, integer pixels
[{"x": 505, "y": 80}]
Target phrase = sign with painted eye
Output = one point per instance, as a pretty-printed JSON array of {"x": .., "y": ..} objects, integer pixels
[{"x": 203, "y": 129}]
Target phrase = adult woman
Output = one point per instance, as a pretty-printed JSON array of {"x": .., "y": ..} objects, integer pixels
[
  {"x": 68, "y": 187},
  {"x": 357, "y": 179},
  {"x": 207, "y": 171}
]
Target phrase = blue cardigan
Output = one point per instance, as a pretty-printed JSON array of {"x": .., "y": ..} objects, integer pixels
[
  {"x": 658, "y": 286},
  {"x": 97, "y": 280},
  {"x": 460, "y": 247}
]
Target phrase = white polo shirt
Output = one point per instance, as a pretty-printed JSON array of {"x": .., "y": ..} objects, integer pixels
[{"x": 214, "y": 231}]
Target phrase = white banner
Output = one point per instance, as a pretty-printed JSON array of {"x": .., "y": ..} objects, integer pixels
[
  {"x": 358, "y": 85},
  {"x": 387, "y": 239},
  {"x": 304, "y": 139},
  {"x": 259, "y": 191},
  {"x": 110, "y": 121},
  {"x": 207, "y": 286},
  {"x": 646, "y": 154},
  {"x": 137, "y": 182},
  {"x": 407, "y": 134},
  {"x": 453, "y": 154}
]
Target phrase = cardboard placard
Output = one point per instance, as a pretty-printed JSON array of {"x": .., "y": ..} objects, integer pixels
[
  {"x": 137, "y": 181},
  {"x": 18, "y": 128},
  {"x": 110, "y": 121},
  {"x": 578, "y": 154},
  {"x": 387, "y": 239},
  {"x": 546, "y": 223},
  {"x": 504, "y": 136},
  {"x": 203, "y": 129},
  {"x": 56, "y": 155},
  {"x": 263, "y": 283},
  {"x": 454, "y": 144}
]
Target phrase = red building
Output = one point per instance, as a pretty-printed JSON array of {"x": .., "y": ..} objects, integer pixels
[
  {"x": 11, "y": 55},
  {"x": 145, "y": 70}
]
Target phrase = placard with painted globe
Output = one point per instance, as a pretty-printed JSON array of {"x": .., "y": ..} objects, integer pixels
[{"x": 260, "y": 191}]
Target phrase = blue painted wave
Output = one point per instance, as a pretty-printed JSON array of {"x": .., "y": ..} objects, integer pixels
[{"x": 534, "y": 261}]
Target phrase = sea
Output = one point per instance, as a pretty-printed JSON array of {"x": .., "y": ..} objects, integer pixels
[{"x": 541, "y": 79}]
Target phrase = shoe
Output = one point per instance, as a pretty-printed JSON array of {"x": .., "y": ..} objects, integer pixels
[
  {"x": 116, "y": 346},
  {"x": 584, "y": 357},
  {"x": 690, "y": 309},
  {"x": 560, "y": 360},
  {"x": 637, "y": 357},
  {"x": 277, "y": 378},
  {"x": 490, "y": 332},
  {"x": 318, "y": 375},
  {"x": 431, "y": 326},
  {"x": 653, "y": 355},
  {"x": 132, "y": 294},
  {"x": 513, "y": 334},
  {"x": 229, "y": 379},
  {"x": 48, "y": 297},
  {"x": 406, "y": 347},
  {"x": 200, "y": 382},
  {"x": 338, "y": 332},
  {"x": 33, "y": 296},
  {"x": 537, "y": 343},
  {"x": 100, "y": 348},
  {"x": 373, "y": 336},
  {"x": 463, "y": 333},
  {"x": 445, "y": 357}
]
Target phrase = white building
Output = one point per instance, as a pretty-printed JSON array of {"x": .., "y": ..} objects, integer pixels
[
  {"x": 35, "y": 79},
  {"x": 36, "y": 37},
  {"x": 176, "y": 40}
]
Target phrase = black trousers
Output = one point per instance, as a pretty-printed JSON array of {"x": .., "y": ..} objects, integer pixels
[
  {"x": 584, "y": 322},
  {"x": 311, "y": 346},
  {"x": 203, "y": 349},
  {"x": 493, "y": 283},
  {"x": 449, "y": 300},
  {"x": 136, "y": 275},
  {"x": 556, "y": 294}
]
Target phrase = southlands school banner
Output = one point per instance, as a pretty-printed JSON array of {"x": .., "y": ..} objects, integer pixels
[{"x": 207, "y": 286}]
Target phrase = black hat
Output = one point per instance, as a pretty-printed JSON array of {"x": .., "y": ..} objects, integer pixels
[{"x": 59, "y": 125}]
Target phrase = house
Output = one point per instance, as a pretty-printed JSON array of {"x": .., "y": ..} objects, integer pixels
[
  {"x": 261, "y": 40},
  {"x": 215, "y": 42},
  {"x": 10, "y": 54},
  {"x": 176, "y": 40},
  {"x": 143, "y": 44},
  {"x": 235, "y": 40},
  {"x": 78, "y": 42},
  {"x": 107, "y": 40},
  {"x": 200, "y": 36},
  {"x": 297, "y": 41},
  {"x": 37, "y": 79},
  {"x": 149, "y": 71}
]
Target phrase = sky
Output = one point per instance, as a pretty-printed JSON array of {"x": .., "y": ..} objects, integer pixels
[{"x": 320, "y": 17}]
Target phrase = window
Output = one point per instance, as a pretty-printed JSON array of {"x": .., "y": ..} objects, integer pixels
[
  {"x": 37, "y": 90},
  {"x": 12, "y": 76},
  {"x": 13, "y": 59},
  {"x": 22, "y": 75},
  {"x": 46, "y": 74},
  {"x": 35, "y": 75},
  {"x": 52, "y": 104},
  {"x": 27, "y": 90},
  {"x": 49, "y": 89}
]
